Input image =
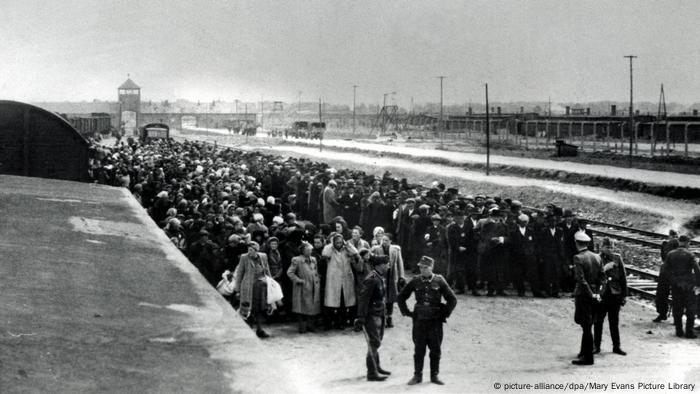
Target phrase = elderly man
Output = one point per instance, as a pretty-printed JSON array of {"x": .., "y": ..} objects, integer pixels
[
  {"x": 523, "y": 257},
  {"x": 370, "y": 315},
  {"x": 340, "y": 281},
  {"x": 590, "y": 278},
  {"x": 428, "y": 315},
  {"x": 331, "y": 206},
  {"x": 395, "y": 277},
  {"x": 684, "y": 276}
]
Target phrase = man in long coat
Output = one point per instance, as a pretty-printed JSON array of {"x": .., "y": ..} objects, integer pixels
[
  {"x": 550, "y": 249},
  {"x": 458, "y": 239},
  {"x": 436, "y": 244},
  {"x": 523, "y": 257},
  {"x": 590, "y": 278},
  {"x": 395, "y": 274},
  {"x": 340, "y": 281},
  {"x": 493, "y": 256},
  {"x": 331, "y": 207}
]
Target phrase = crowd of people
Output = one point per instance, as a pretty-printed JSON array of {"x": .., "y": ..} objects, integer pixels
[{"x": 245, "y": 218}]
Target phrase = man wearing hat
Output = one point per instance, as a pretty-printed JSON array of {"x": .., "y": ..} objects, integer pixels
[
  {"x": 493, "y": 256},
  {"x": 370, "y": 315},
  {"x": 569, "y": 227},
  {"x": 590, "y": 279},
  {"x": 436, "y": 244},
  {"x": 458, "y": 237},
  {"x": 331, "y": 207},
  {"x": 428, "y": 315},
  {"x": 683, "y": 273},
  {"x": 350, "y": 204},
  {"x": 550, "y": 247},
  {"x": 523, "y": 257}
]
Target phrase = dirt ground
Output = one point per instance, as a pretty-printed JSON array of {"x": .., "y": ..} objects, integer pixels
[{"x": 491, "y": 341}]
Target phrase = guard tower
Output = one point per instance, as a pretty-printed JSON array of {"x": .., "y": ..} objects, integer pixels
[{"x": 129, "y": 106}]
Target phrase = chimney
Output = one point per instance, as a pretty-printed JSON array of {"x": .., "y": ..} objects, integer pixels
[
  {"x": 493, "y": 109},
  {"x": 695, "y": 112},
  {"x": 470, "y": 111},
  {"x": 568, "y": 110},
  {"x": 636, "y": 113},
  {"x": 588, "y": 111},
  {"x": 613, "y": 110},
  {"x": 499, "y": 110},
  {"x": 522, "y": 110}
]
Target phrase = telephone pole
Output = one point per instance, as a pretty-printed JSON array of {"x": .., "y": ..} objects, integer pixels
[
  {"x": 440, "y": 124},
  {"x": 631, "y": 130},
  {"x": 488, "y": 145},
  {"x": 354, "y": 96}
]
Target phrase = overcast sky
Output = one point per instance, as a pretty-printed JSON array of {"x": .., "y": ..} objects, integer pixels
[{"x": 525, "y": 50}]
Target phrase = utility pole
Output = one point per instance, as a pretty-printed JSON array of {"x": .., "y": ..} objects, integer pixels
[
  {"x": 262, "y": 113},
  {"x": 631, "y": 57},
  {"x": 488, "y": 142},
  {"x": 354, "y": 96},
  {"x": 320, "y": 120},
  {"x": 440, "y": 124},
  {"x": 299, "y": 109}
]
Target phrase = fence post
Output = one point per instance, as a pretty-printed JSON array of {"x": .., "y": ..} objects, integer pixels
[
  {"x": 652, "y": 140},
  {"x": 685, "y": 139},
  {"x": 668, "y": 139}
]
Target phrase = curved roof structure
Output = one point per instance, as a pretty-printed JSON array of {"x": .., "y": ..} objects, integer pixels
[{"x": 39, "y": 143}]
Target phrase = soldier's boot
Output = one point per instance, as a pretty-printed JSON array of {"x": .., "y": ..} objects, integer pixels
[
  {"x": 418, "y": 370},
  {"x": 679, "y": 328},
  {"x": 435, "y": 370},
  {"x": 689, "y": 323},
  {"x": 379, "y": 367},
  {"x": 372, "y": 373},
  {"x": 389, "y": 322}
]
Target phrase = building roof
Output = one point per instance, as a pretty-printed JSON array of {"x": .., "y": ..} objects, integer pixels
[{"x": 129, "y": 84}]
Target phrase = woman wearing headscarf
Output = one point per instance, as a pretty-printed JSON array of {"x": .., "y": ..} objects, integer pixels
[
  {"x": 252, "y": 286},
  {"x": 306, "y": 298},
  {"x": 613, "y": 297},
  {"x": 377, "y": 235},
  {"x": 340, "y": 281}
]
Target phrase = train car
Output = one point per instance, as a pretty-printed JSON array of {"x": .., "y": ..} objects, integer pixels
[
  {"x": 154, "y": 131},
  {"x": 96, "y": 123},
  {"x": 38, "y": 143}
]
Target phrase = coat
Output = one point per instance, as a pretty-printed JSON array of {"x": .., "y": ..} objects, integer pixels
[
  {"x": 339, "y": 276},
  {"x": 395, "y": 270},
  {"x": 590, "y": 278},
  {"x": 616, "y": 284},
  {"x": 306, "y": 296},
  {"x": 331, "y": 208},
  {"x": 351, "y": 209},
  {"x": 682, "y": 269},
  {"x": 245, "y": 278}
]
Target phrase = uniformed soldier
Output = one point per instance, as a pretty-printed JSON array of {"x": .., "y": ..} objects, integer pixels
[
  {"x": 684, "y": 276},
  {"x": 663, "y": 288},
  {"x": 428, "y": 315},
  {"x": 590, "y": 277},
  {"x": 370, "y": 315}
]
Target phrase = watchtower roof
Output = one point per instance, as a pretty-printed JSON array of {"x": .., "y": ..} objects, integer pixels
[{"x": 129, "y": 84}]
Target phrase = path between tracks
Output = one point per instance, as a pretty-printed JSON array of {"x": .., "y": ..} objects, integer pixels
[{"x": 639, "y": 175}]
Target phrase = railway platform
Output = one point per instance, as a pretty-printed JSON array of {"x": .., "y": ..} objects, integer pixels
[{"x": 95, "y": 298}]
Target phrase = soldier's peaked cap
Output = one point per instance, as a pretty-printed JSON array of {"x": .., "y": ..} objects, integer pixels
[{"x": 426, "y": 261}]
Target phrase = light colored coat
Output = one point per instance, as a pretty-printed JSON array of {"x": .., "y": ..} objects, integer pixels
[
  {"x": 306, "y": 297},
  {"x": 339, "y": 276},
  {"x": 245, "y": 278},
  {"x": 395, "y": 272}
]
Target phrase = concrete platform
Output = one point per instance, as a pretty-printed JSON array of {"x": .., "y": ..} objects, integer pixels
[{"x": 95, "y": 298}]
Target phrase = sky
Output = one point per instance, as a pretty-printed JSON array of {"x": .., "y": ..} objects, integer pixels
[{"x": 569, "y": 51}]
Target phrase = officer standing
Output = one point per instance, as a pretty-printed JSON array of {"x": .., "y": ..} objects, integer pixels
[
  {"x": 370, "y": 315},
  {"x": 428, "y": 315},
  {"x": 589, "y": 276},
  {"x": 684, "y": 276}
]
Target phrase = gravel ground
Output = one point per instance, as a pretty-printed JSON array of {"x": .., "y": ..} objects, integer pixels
[{"x": 494, "y": 340}]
